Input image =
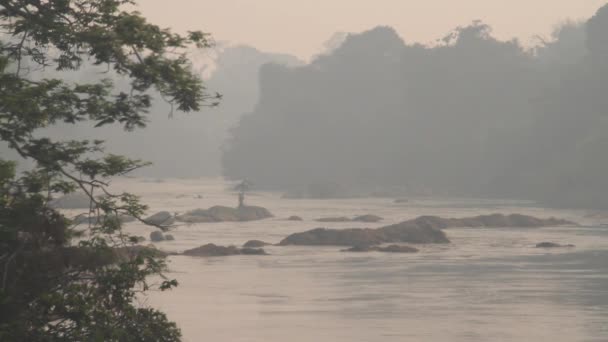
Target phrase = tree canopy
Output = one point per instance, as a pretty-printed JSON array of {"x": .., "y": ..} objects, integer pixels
[{"x": 60, "y": 281}]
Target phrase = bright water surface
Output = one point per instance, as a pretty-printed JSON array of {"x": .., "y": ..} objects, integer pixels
[{"x": 487, "y": 285}]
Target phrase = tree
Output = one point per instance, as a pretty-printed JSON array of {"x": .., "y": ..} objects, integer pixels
[
  {"x": 60, "y": 281},
  {"x": 243, "y": 187}
]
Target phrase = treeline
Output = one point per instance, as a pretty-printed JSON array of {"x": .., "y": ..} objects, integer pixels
[{"x": 470, "y": 116}]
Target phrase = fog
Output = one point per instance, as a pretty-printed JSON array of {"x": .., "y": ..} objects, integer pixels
[
  {"x": 471, "y": 116},
  {"x": 178, "y": 144},
  {"x": 382, "y": 170}
]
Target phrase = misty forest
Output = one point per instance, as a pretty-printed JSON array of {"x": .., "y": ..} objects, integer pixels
[{"x": 161, "y": 186}]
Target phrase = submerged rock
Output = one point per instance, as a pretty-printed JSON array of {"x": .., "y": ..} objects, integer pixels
[
  {"x": 551, "y": 245},
  {"x": 397, "y": 249},
  {"x": 363, "y": 218},
  {"x": 334, "y": 219},
  {"x": 502, "y": 221},
  {"x": 368, "y": 218},
  {"x": 224, "y": 214},
  {"x": 163, "y": 218},
  {"x": 491, "y": 221},
  {"x": 255, "y": 244},
  {"x": 294, "y": 218},
  {"x": 387, "y": 249},
  {"x": 215, "y": 250}
]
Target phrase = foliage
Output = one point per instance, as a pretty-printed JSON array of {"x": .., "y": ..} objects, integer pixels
[{"x": 60, "y": 281}]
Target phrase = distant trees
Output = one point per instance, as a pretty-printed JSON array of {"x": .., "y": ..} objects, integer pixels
[
  {"x": 470, "y": 116},
  {"x": 59, "y": 281}
]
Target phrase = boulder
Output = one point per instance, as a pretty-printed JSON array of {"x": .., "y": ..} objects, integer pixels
[
  {"x": 551, "y": 245},
  {"x": 210, "y": 249},
  {"x": 157, "y": 236},
  {"x": 255, "y": 244},
  {"x": 368, "y": 218},
  {"x": 169, "y": 237},
  {"x": 163, "y": 218},
  {"x": 224, "y": 214},
  {"x": 294, "y": 218}
]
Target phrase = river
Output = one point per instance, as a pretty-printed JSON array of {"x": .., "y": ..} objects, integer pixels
[{"x": 486, "y": 285}]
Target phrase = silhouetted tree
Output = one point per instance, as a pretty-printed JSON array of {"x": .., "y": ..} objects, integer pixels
[
  {"x": 59, "y": 282},
  {"x": 243, "y": 187}
]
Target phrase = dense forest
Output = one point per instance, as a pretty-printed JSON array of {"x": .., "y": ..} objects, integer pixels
[{"x": 469, "y": 116}]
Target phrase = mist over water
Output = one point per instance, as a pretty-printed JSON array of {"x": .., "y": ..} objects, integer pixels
[
  {"x": 486, "y": 285},
  {"x": 375, "y": 123}
]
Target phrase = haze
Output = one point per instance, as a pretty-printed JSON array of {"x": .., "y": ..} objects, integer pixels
[
  {"x": 371, "y": 171},
  {"x": 301, "y": 27}
]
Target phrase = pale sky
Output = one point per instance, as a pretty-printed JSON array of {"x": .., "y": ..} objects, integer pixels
[{"x": 300, "y": 27}]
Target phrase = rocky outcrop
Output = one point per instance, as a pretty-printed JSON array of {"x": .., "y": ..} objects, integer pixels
[
  {"x": 387, "y": 249},
  {"x": 163, "y": 218},
  {"x": 551, "y": 245},
  {"x": 294, "y": 218},
  {"x": 224, "y": 214},
  {"x": 492, "y": 221},
  {"x": 408, "y": 232},
  {"x": 424, "y": 229},
  {"x": 368, "y": 218},
  {"x": 210, "y": 250},
  {"x": 255, "y": 244}
]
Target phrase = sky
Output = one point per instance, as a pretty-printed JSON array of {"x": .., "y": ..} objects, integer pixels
[{"x": 300, "y": 27}]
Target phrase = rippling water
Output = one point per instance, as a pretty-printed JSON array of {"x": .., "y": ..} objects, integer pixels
[{"x": 487, "y": 285}]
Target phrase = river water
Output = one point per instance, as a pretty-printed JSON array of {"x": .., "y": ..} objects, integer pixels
[{"x": 486, "y": 285}]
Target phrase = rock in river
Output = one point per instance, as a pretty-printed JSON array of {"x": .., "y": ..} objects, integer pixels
[
  {"x": 223, "y": 214},
  {"x": 210, "y": 249}
]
